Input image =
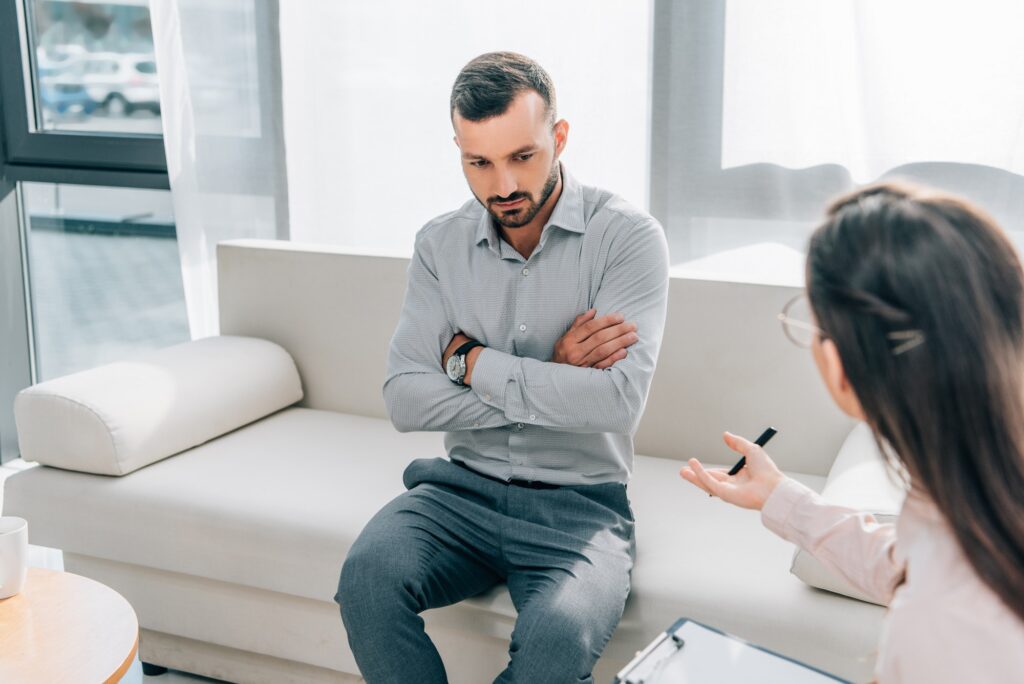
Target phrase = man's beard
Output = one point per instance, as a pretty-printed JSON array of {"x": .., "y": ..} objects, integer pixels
[{"x": 517, "y": 218}]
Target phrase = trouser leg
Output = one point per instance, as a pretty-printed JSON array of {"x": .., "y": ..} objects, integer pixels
[
  {"x": 430, "y": 547},
  {"x": 570, "y": 563}
]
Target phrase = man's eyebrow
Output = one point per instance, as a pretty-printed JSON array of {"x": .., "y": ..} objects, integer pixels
[{"x": 522, "y": 150}]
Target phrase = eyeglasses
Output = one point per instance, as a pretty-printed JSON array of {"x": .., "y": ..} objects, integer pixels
[{"x": 796, "y": 319}]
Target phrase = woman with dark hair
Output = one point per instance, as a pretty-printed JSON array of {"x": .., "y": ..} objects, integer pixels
[{"x": 916, "y": 323}]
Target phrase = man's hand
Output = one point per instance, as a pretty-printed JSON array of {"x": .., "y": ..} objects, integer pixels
[
  {"x": 594, "y": 342},
  {"x": 457, "y": 342}
]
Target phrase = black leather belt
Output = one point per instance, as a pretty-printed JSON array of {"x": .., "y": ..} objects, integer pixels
[{"x": 528, "y": 484}]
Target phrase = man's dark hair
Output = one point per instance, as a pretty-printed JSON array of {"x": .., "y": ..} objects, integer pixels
[{"x": 487, "y": 85}]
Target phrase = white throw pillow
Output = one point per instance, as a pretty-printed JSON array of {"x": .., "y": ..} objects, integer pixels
[
  {"x": 859, "y": 480},
  {"x": 117, "y": 418}
]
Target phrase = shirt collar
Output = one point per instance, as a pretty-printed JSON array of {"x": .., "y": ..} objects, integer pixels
[{"x": 567, "y": 215}]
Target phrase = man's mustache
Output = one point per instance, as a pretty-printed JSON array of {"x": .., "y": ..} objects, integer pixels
[{"x": 511, "y": 198}]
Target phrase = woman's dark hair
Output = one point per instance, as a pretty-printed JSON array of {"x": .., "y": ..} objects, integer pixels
[
  {"x": 487, "y": 85},
  {"x": 923, "y": 295}
]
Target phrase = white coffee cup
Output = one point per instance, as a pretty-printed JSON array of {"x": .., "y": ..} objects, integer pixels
[{"x": 13, "y": 555}]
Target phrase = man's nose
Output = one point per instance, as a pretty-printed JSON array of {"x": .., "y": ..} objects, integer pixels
[{"x": 506, "y": 183}]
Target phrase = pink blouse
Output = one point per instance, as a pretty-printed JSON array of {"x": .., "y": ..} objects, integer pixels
[{"x": 944, "y": 624}]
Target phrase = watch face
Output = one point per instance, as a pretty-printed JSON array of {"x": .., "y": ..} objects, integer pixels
[{"x": 455, "y": 368}]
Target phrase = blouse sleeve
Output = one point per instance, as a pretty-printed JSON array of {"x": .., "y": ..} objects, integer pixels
[{"x": 850, "y": 543}]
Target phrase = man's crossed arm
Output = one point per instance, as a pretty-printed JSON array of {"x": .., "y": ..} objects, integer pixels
[
  {"x": 597, "y": 380},
  {"x": 591, "y": 342}
]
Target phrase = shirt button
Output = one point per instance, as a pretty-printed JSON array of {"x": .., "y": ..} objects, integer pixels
[
  {"x": 522, "y": 328},
  {"x": 519, "y": 426},
  {"x": 533, "y": 417},
  {"x": 487, "y": 397},
  {"x": 526, "y": 271}
]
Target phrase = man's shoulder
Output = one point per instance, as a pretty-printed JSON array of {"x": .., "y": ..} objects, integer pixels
[
  {"x": 613, "y": 211},
  {"x": 460, "y": 223}
]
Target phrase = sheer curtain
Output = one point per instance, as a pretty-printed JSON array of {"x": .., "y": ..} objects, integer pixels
[
  {"x": 762, "y": 112},
  {"x": 366, "y": 86},
  {"x": 873, "y": 85},
  {"x": 220, "y": 93},
  {"x": 357, "y": 93},
  {"x": 733, "y": 123}
]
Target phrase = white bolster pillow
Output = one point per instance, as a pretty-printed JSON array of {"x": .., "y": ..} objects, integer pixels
[
  {"x": 117, "y": 418},
  {"x": 858, "y": 480}
]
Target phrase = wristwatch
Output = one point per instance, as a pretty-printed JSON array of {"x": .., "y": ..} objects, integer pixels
[{"x": 456, "y": 366}]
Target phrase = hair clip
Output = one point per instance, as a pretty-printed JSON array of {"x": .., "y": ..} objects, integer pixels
[{"x": 908, "y": 339}]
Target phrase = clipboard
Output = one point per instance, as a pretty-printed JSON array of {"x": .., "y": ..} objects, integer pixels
[{"x": 689, "y": 652}]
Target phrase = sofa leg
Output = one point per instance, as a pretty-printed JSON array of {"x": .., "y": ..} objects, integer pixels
[{"x": 151, "y": 670}]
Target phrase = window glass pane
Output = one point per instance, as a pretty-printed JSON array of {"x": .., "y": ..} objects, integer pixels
[
  {"x": 94, "y": 66},
  {"x": 104, "y": 275}
]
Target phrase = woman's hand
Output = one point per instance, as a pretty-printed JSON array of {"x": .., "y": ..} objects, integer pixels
[{"x": 748, "y": 488}]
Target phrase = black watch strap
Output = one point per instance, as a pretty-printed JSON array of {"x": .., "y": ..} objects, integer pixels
[{"x": 464, "y": 349}]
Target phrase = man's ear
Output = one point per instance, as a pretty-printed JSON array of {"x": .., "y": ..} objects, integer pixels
[
  {"x": 455, "y": 139},
  {"x": 834, "y": 374},
  {"x": 561, "y": 130}
]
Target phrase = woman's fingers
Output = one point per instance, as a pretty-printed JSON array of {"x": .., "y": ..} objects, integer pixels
[
  {"x": 687, "y": 474},
  {"x": 739, "y": 444},
  {"x": 690, "y": 475},
  {"x": 709, "y": 483},
  {"x": 718, "y": 474}
]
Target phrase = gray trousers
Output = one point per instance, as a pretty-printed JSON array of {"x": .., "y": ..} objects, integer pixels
[{"x": 566, "y": 554}]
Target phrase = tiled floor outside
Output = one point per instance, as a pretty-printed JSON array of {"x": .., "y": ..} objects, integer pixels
[{"x": 101, "y": 298}]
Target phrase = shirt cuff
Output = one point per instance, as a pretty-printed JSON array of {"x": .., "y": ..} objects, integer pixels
[
  {"x": 492, "y": 372},
  {"x": 780, "y": 505}
]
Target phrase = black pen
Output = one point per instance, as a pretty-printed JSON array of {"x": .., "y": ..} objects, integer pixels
[{"x": 760, "y": 441}]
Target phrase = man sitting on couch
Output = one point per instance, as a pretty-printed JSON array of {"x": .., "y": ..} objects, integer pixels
[{"x": 529, "y": 334}]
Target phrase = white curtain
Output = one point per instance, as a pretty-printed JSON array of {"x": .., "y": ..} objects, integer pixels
[
  {"x": 366, "y": 87},
  {"x": 733, "y": 123},
  {"x": 762, "y": 112},
  {"x": 219, "y": 72},
  {"x": 872, "y": 85},
  {"x": 357, "y": 92}
]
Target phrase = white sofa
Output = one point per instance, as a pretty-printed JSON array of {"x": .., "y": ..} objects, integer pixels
[{"x": 230, "y": 550}]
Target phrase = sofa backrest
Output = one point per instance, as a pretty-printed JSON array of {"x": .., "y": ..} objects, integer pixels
[{"x": 724, "y": 364}]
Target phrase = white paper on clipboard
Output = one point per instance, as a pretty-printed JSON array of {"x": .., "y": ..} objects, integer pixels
[{"x": 692, "y": 653}]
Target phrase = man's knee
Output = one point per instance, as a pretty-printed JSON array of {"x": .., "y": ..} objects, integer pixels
[
  {"x": 560, "y": 645},
  {"x": 375, "y": 577}
]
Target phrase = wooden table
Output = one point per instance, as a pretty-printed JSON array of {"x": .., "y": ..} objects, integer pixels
[{"x": 66, "y": 628}]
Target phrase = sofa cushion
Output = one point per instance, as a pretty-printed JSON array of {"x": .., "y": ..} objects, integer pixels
[
  {"x": 858, "y": 480},
  {"x": 276, "y": 505},
  {"x": 117, "y": 418}
]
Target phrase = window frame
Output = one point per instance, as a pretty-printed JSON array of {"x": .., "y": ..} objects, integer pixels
[
  {"x": 687, "y": 178},
  {"x": 63, "y": 156}
]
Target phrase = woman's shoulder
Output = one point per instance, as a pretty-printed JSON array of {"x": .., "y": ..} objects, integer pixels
[{"x": 961, "y": 638}]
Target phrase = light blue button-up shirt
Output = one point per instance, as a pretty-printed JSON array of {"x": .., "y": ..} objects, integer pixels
[{"x": 526, "y": 417}]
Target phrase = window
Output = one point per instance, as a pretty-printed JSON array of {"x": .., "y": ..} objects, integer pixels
[
  {"x": 88, "y": 256},
  {"x": 740, "y": 176},
  {"x": 93, "y": 67},
  {"x": 104, "y": 275}
]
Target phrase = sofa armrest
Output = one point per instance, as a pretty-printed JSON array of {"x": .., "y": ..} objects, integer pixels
[
  {"x": 858, "y": 479},
  {"x": 117, "y": 418}
]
